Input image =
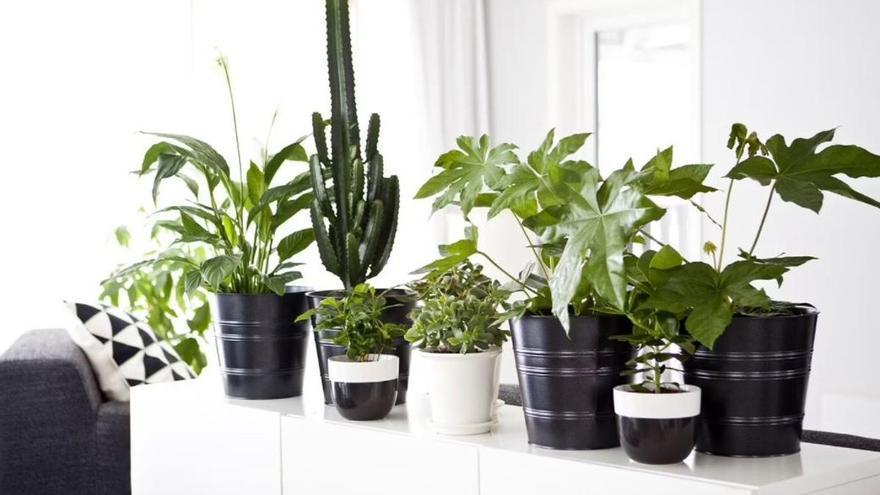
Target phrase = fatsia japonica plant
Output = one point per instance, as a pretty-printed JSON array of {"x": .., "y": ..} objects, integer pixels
[
  {"x": 237, "y": 217},
  {"x": 577, "y": 224},
  {"x": 709, "y": 295},
  {"x": 462, "y": 311},
  {"x": 358, "y": 319}
]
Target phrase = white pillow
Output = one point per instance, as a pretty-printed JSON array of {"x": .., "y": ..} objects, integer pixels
[{"x": 123, "y": 350}]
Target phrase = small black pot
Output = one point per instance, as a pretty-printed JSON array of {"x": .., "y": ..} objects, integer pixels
[
  {"x": 567, "y": 382},
  {"x": 754, "y": 385},
  {"x": 327, "y": 349},
  {"x": 364, "y": 391},
  {"x": 657, "y": 428},
  {"x": 262, "y": 352}
]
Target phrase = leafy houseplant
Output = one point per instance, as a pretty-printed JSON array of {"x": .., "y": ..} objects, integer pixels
[
  {"x": 354, "y": 208},
  {"x": 364, "y": 379},
  {"x": 156, "y": 292},
  {"x": 578, "y": 227},
  {"x": 754, "y": 356},
  {"x": 458, "y": 330},
  {"x": 237, "y": 218}
]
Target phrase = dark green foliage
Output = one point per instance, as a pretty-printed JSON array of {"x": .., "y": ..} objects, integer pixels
[
  {"x": 461, "y": 311},
  {"x": 354, "y": 210},
  {"x": 358, "y": 319},
  {"x": 237, "y": 219}
]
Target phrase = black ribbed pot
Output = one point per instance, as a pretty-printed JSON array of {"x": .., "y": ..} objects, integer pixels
[
  {"x": 754, "y": 385},
  {"x": 262, "y": 351},
  {"x": 567, "y": 383},
  {"x": 326, "y": 348}
]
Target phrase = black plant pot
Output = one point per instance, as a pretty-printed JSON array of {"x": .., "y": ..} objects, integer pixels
[
  {"x": 754, "y": 385},
  {"x": 567, "y": 383},
  {"x": 364, "y": 391},
  {"x": 262, "y": 351},
  {"x": 657, "y": 428},
  {"x": 327, "y": 349}
]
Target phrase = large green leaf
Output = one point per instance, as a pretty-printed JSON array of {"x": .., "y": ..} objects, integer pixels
[
  {"x": 215, "y": 270},
  {"x": 711, "y": 297},
  {"x": 468, "y": 171},
  {"x": 294, "y": 243},
  {"x": 660, "y": 179},
  {"x": 799, "y": 173},
  {"x": 599, "y": 221}
]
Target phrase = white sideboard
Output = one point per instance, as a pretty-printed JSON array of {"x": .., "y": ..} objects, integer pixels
[{"x": 188, "y": 438}]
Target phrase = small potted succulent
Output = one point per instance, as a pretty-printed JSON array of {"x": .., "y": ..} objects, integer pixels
[
  {"x": 364, "y": 380},
  {"x": 457, "y": 330}
]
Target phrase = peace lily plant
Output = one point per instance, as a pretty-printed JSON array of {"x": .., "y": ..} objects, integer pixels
[{"x": 236, "y": 216}]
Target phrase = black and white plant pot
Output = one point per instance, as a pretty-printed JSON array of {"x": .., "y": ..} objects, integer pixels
[
  {"x": 364, "y": 390},
  {"x": 463, "y": 390},
  {"x": 261, "y": 350},
  {"x": 657, "y": 428},
  {"x": 567, "y": 382},
  {"x": 326, "y": 349},
  {"x": 754, "y": 384}
]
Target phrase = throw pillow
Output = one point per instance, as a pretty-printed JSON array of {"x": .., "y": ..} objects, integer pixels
[{"x": 123, "y": 350}]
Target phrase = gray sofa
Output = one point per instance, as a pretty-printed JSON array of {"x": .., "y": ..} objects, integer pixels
[{"x": 57, "y": 433}]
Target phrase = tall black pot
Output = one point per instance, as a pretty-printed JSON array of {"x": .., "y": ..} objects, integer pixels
[
  {"x": 754, "y": 385},
  {"x": 262, "y": 351},
  {"x": 567, "y": 383},
  {"x": 326, "y": 349}
]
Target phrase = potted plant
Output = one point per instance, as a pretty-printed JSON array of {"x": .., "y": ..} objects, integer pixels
[
  {"x": 656, "y": 418},
  {"x": 364, "y": 380},
  {"x": 354, "y": 210},
  {"x": 457, "y": 330},
  {"x": 577, "y": 225},
  {"x": 238, "y": 219},
  {"x": 753, "y": 361}
]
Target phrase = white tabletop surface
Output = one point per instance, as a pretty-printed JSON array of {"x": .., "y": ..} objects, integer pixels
[{"x": 814, "y": 466}]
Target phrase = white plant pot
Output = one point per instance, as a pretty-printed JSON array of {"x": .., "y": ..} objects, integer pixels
[{"x": 463, "y": 389}]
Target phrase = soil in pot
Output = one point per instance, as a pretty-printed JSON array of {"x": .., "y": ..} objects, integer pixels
[
  {"x": 567, "y": 382},
  {"x": 657, "y": 428},
  {"x": 463, "y": 389},
  {"x": 326, "y": 348},
  {"x": 754, "y": 385},
  {"x": 364, "y": 390},
  {"x": 262, "y": 352}
]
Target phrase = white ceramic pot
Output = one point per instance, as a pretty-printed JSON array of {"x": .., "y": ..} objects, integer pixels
[
  {"x": 657, "y": 428},
  {"x": 364, "y": 390},
  {"x": 462, "y": 390}
]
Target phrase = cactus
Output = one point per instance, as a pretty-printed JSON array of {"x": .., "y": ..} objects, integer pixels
[{"x": 354, "y": 213}]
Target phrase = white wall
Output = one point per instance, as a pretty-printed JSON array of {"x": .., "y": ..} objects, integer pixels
[{"x": 797, "y": 67}]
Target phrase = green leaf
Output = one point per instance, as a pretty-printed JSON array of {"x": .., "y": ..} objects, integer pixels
[
  {"x": 256, "y": 184},
  {"x": 711, "y": 297},
  {"x": 666, "y": 258},
  {"x": 123, "y": 237},
  {"x": 294, "y": 152},
  {"x": 189, "y": 351},
  {"x": 660, "y": 179},
  {"x": 799, "y": 173},
  {"x": 468, "y": 171},
  {"x": 169, "y": 166},
  {"x": 599, "y": 222},
  {"x": 215, "y": 270},
  {"x": 201, "y": 319},
  {"x": 294, "y": 243},
  {"x": 192, "y": 281},
  {"x": 278, "y": 283}
]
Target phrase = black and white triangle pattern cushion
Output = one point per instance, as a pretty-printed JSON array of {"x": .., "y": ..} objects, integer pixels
[{"x": 123, "y": 350}]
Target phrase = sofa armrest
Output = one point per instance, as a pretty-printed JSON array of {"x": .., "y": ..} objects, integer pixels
[{"x": 48, "y": 409}]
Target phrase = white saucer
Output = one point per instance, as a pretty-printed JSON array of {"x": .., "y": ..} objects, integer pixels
[{"x": 474, "y": 429}]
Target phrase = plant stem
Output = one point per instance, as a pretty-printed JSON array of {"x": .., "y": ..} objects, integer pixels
[
  {"x": 241, "y": 177},
  {"x": 763, "y": 219},
  {"x": 506, "y": 273},
  {"x": 724, "y": 227},
  {"x": 532, "y": 247}
]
